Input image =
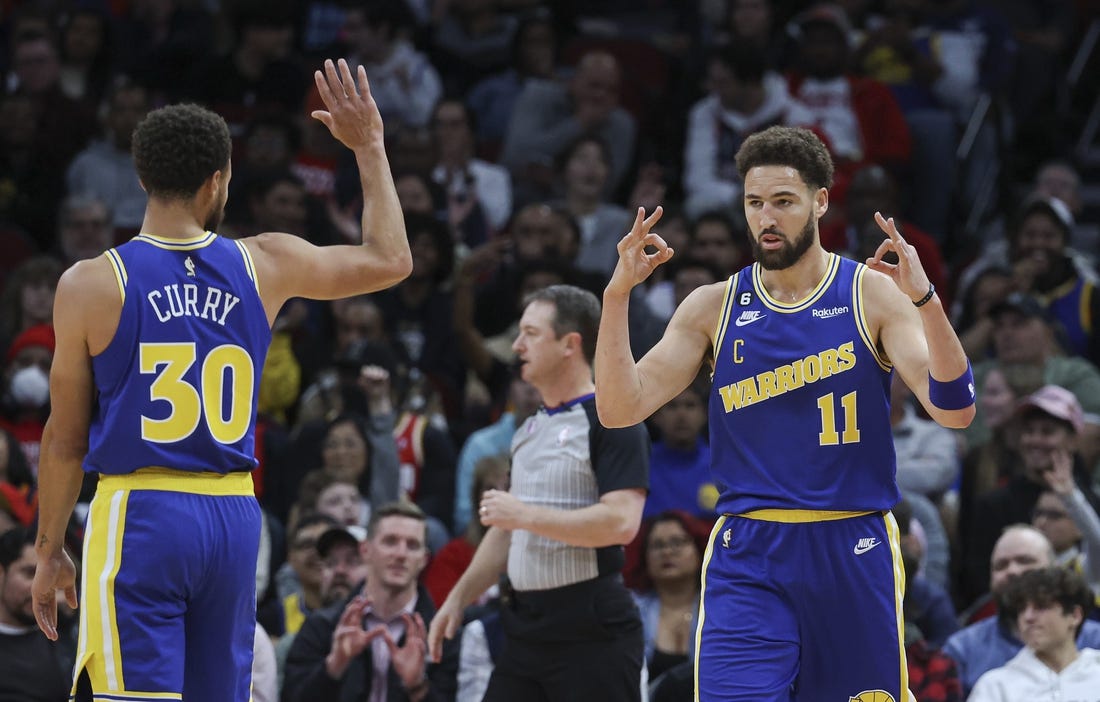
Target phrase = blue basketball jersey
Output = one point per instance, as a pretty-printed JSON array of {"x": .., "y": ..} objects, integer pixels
[
  {"x": 178, "y": 384},
  {"x": 799, "y": 411}
]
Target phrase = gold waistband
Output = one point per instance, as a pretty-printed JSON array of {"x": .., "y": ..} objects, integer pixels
[
  {"x": 168, "y": 479},
  {"x": 798, "y": 516}
]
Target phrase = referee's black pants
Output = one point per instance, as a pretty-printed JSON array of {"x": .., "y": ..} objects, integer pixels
[{"x": 578, "y": 643}]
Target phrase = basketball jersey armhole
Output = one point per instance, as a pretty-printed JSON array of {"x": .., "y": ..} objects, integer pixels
[
  {"x": 860, "y": 317},
  {"x": 119, "y": 268},
  {"x": 725, "y": 313}
]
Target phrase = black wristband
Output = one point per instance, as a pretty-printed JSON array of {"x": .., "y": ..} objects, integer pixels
[{"x": 927, "y": 296}]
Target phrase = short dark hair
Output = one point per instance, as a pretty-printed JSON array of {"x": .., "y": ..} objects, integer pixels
[
  {"x": 176, "y": 148},
  {"x": 575, "y": 310},
  {"x": 747, "y": 63},
  {"x": 793, "y": 147},
  {"x": 12, "y": 543},
  {"x": 1043, "y": 587},
  {"x": 397, "y": 508}
]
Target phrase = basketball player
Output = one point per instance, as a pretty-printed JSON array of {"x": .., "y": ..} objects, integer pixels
[
  {"x": 803, "y": 573},
  {"x": 160, "y": 345}
]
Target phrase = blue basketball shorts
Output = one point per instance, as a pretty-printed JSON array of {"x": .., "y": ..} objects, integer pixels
[
  {"x": 802, "y": 606},
  {"x": 168, "y": 603}
]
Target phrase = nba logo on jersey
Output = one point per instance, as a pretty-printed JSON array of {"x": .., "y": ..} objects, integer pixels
[
  {"x": 190, "y": 266},
  {"x": 872, "y": 696}
]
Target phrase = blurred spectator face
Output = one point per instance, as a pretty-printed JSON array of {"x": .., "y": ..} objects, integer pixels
[
  {"x": 85, "y": 230},
  {"x": 282, "y": 208},
  {"x": 341, "y": 570},
  {"x": 713, "y": 242},
  {"x": 673, "y": 228},
  {"x": 688, "y": 279},
  {"x": 586, "y": 171},
  {"x": 18, "y": 121},
  {"x": 268, "y": 148},
  {"x": 1040, "y": 437},
  {"x": 303, "y": 556},
  {"x": 1020, "y": 339},
  {"x": 1048, "y": 628},
  {"x": 524, "y": 399},
  {"x": 1060, "y": 181},
  {"x": 128, "y": 106},
  {"x": 990, "y": 288},
  {"x": 534, "y": 281},
  {"x": 371, "y": 43},
  {"x": 536, "y": 50},
  {"x": 340, "y": 501},
  {"x": 453, "y": 136},
  {"x": 1040, "y": 239},
  {"x": 357, "y": 320},
  {"x": 871, "y": 190},
  {"x": 751, "y": 19},
  {"x": 425, "y": 255},
  {"x": 1016, "y": 552},
  {"x": 534, "y": 233},
  {"x": 1051, "y": 517},
  {"x": 37, "y": 302},
  {"x": 733, "y": 93},
  {"x": 84, "y": 37},
  {"x": 824, "y": 50},
  {"x": 596, "y": 82},
  {"x": 396, "y": 553},
  {"x": 681, "y": 420},
  {"x": 413, "y": 193},
  {"x": 15, "y": 589},
  {"x": 996, "y": 399},
  {"x": 269, "y": 41},
  {"x": 344, "y": 452},
  {"x": 36, "y": 65},
  {"x": 671, "y": 553}
]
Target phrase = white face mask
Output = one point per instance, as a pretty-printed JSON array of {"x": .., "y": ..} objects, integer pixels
[{"x": 30, "y": 387}]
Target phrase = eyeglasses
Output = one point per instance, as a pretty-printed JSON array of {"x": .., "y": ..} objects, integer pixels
[
  {"x": 674, "y": 544},
  {"x": 1051, "y": 514}
]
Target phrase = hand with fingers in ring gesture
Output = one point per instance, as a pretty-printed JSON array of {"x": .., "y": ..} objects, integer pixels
[
  {"x": 908, "y": 273},
  {"x": 351, "y": 113},
  {"x": 635, "y": 265}
]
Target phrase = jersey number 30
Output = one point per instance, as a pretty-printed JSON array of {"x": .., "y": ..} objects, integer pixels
[{"x": 189, "y": 405}]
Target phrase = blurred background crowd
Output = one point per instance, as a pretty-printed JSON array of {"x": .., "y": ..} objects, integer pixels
[{"x": 523, "y": 135}]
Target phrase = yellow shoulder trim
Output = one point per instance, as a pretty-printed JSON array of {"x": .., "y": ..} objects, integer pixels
[
  {"x": 724, "y": 313},
  {"x": 249, "y": 264},
  {"x": 189, "y": 244},
  {"x": 120, "y": 271},
  {"x": 861, "y": 318}
]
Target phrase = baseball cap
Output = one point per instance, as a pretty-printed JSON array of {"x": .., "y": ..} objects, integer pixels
[
  {"x": 1050, "y": 206},
  {"x": 1022, "y": 304},
  {"x": 38, "y": 335},
  {"x": 822, "y": 13},
  {"x": 351, "y": 535},
  {"x": 1058, "y": 403}
]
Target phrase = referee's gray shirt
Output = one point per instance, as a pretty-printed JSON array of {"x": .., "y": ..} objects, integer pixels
[{"x": 564, "y": 459}]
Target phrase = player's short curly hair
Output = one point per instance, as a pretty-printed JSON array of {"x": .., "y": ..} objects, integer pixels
[
  {"x": 793, "y": 147},
  {"x": 176, "y": 148}
]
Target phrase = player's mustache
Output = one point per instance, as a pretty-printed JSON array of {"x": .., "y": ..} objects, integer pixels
[{"x": 774, "y": 232}]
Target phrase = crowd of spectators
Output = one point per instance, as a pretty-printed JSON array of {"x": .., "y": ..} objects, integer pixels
[{"x": 523, "y": 135}]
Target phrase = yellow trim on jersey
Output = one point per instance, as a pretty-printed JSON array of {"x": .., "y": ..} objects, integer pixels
[
  {"x": 194, "y": 482},
  {"x": 800, "y": 516},
  {"x": 1085, "y": 306},
  {"x": 899, "y": 592},
  {"x": 120, "y": 271},
  {"x": 860, "y": 316},
  {"x": 777, "y": 306},
  {"x": 113, "y": 696},
  {"x": 101, "y": 653},
  {"x": 190, "y": 244},
  {"x": 249, "y": 264},
  {"x": 703, "y": 599},
  {"x": 725, "y": 314}
]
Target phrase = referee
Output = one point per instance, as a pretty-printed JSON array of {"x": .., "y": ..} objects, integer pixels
[{"x": 577, "y": 491}]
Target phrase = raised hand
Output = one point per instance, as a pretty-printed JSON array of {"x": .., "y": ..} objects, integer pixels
[
  {"x": 352, "y": 115},
  {"x": 635, "y": 265},
  {"x": 409, "y": 659},
  {"x": 1060, "y": 474},
  {"x": 349, "y": 640},
  {"x": 908, "y": 273},
  {"x": 52, "y": 574}
]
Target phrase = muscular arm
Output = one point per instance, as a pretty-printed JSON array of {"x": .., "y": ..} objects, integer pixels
[
  {"x": 288, "y": 266},
  {"x": 65, "y": 438},
  {"x": 629, "y": 392}
]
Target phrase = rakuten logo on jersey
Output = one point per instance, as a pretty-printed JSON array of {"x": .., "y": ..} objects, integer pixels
[{"x": 830, "y": 312}]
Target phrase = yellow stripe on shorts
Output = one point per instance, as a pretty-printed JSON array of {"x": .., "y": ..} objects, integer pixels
[{"x": 99, "y": 648}]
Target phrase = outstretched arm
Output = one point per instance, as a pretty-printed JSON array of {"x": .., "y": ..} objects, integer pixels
[
  {"x": 628, "y": 392},
  {"x": 287, "y": 265},
  {"x": 920, "y": 341}
]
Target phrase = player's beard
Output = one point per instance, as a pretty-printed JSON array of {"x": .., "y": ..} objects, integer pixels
[
  {"x": 791, "y": 251},
  {"x": 214, "y": 219}
]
